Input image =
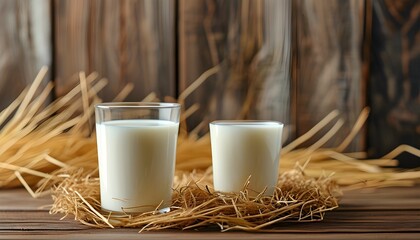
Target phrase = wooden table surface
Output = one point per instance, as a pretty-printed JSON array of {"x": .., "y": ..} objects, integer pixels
[{"x": 389, "y": 213}]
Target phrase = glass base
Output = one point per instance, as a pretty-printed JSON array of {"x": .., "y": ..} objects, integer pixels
[{"x": 134, "y": 211}]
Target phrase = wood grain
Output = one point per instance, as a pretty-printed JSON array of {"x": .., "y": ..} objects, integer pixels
[
  {"x": 25, "y": 45},
  {"x": 390, "y": 213},
  {"x": 327, "y": 69},
  {"x": 125, "y": 41},
  {"x": 250, "y": 43},
  {"x": 116, "y": 234},
  {"x": 136, "y": 41},
  {"x": 395, "y": 79}
]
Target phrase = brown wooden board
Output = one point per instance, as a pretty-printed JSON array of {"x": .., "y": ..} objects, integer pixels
[
  {"x": 389, "y": 213},
  {"x": 132, "y": 234},
  {"x": 394, "y": 87},
  {"x": 249, "y": 42},
  {"x": 25, "y": 45},
  {"x": 327, "y": 65},
  {"x": 124, "y": 41}
]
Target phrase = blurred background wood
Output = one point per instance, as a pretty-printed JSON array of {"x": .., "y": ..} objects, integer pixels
[
  {"x": 25, "y": 45},
  {"x": 346, "y": 55},
  {"x": 124, "y": 41},
  {"x": 395, "y": 78},
  {"x": 250, "y": 42},
  {"x": 328, "y": 64}
]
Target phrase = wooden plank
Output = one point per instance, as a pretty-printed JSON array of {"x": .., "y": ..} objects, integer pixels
[
  {"x": 327, "y": 69},
  {"x": 119, "y": 234},
  {"x": 338, "y": 221},
  {"x": 25, "y": 45},
  {"x": 367, "y": 199},
  {"x": 39, "y": 226},
  {"x": 250, "y": 43},
  {"x": 19, "y": 199},
  {"x": 395, "y": 79},
  {"x": 124, "y": 41},
  {"x": 353, "y": 220}
]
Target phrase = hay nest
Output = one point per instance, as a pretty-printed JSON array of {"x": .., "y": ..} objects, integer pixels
[{"x": 196, "y": 204}]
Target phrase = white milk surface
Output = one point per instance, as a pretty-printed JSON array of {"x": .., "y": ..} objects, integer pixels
[
  {"x": 240, "y": 150},
  {"x": 136, "y": 163}
]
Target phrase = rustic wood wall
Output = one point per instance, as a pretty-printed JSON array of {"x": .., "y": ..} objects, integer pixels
[
  {"x": 25, "y": 45},
  {"x": 124, "y": 41},
  {"x": 249, "y": 43},
  {"x": 394, "y": 84},
  {"x": 292, "y": 61},
  {"x": 328, "y": 64}
]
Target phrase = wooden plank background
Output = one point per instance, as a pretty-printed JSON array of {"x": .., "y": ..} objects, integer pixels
[
  {"x": 328, "y": 64},
  {"x": 394, "y": 84},
  {"x": 249, "y": 42},
  {"x": 124, "y": 41},
  {"x": 291, "y": 61},
  {"x": 25, "y": 45}
]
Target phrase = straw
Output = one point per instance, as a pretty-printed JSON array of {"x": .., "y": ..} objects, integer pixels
[{"x": 50, "y": 148}]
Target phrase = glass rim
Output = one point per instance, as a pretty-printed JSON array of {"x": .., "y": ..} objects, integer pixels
[
  {"x": 140, "y": 105},
  {"x": 245, "y": 122}
]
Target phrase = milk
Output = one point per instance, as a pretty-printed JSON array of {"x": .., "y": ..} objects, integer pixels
[
  {"x": 243, "y": 149},
  {"x": 137, "y": 161}
]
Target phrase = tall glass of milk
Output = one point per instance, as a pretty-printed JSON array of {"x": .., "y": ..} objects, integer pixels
[
  {"x": 136, "y": 155},
  {"x": 243, "y": 150}
]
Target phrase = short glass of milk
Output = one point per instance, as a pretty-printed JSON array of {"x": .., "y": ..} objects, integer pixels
[
  {"x": 136, "y": 153},
  {"x": 243, "y": 150}
]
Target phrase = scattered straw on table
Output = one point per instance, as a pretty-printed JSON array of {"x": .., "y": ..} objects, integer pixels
[{"x": 50, "y": 149}]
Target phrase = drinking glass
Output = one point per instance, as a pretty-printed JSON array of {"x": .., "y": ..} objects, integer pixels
[
  {"x": 136, "y": 153},
  {"x": 243, "y": 150}
]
